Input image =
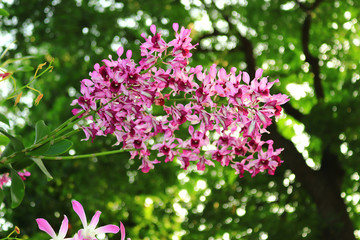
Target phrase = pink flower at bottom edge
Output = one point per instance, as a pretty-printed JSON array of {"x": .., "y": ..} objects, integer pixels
[
  {"x": 89, "y": 231},
  {"x": 45, "y": 226}
]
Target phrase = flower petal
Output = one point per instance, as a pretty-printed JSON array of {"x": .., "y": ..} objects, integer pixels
[
  {"x": 153, "y": 29},
  {"x": 122, "y": 231},
  {"x": 258, "y": 73},
  {"x": 120, "y": 51},
  {"x": 175, "y": 27},
  {"x": 64, "y": 227},
  {"x": 95, "y": 220},
  {"x": 246, "y": 77},
  {"x": 78, "y": 208},
  {"x": 45, "y": 226},
  {"x": 110, "y": 228}
]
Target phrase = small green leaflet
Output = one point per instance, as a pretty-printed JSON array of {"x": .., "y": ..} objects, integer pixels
[{"x": 17, "y": 189}]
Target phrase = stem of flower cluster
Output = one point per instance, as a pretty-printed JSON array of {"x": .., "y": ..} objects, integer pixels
[{"x": 91, "y": 155}]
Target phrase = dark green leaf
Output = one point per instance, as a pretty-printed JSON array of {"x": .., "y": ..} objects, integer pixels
[
  {"x": 4, "y": 119},
  {"x": 21, "y": 162},
  {"x": 4, "y": 13},
  {"x": 59, "y": 148},
  {"x": 42, "y": 167},
  {"x": 40, "y": 150},
  {"x": 14, "y": 146},
  {"x": 17, "y": 189},
  {"x": 41, "y": 130},
  {"x": 16, "y": 143},
  {"x": 2, "y": 195}
]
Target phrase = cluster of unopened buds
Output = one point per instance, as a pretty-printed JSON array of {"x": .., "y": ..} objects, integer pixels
[
  {"x": 161, "y": 109},
  {"x": 89, "y": 230}
]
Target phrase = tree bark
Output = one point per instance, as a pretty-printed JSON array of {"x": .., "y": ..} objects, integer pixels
[{"x": 336, "y": 223}]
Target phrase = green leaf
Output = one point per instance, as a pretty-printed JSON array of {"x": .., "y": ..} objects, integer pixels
[
  {"x": 17, "y": 189},
  {"x": 4, "y": 119},
  {"x": 21, "y": 162},
  {"x": 4, "y": 140},
  {"x": 41, "y": 130},
  {"x": 2, "y": 195},
  {"x": 16, "y": 143},
  {"x": 40, "y": 150},
  {"x": 12, "y": 60},
  {"x": 42, "y": 167},
  {"x": 59, "y": 148},
  {"x": 4, "y": 12},
  {"x": 15, "y": 146},
  {"x": 25, "y": 69}
]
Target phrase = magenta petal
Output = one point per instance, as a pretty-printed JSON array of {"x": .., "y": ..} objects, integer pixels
[
  {"x": 45, "y": 226},
  {"x": 175, "y": 27},
  {"x": 246, "y": 77},
  {"x": 122, "y": 231},
  {"x": 64, "y": 227},
  {"x": 258, "y": 73},
  {"x": 120, "y": 51},
  {"x": 95, "y": 220},
  {"x": 191, "y": 129},
  {"x": 128, "y": 54},
  {"x": 107, "y": 229},
  {"x": 153, "y": 29},
  {"x": 78, "y": 208}
]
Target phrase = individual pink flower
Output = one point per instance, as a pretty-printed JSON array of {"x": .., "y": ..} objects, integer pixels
[
  {"x": 198, "y": 139},
  {"x": 240, "y": 167},
  {"x": 167, "y": 147},
  {"x": 186, "y": 156},
  {"x": 24, "y": 174},
  {"x": 221, "y": 155},
  {"x": 146, "y": 165},
  {"x": 45, "y": 226},
  {"x": 202, "y": 162},
  {"x": 90, "y": 231},
  {"x": 153, "y": 43}
]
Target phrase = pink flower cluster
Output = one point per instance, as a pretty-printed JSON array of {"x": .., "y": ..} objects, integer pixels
[
  {"x": 222, "y": 114},
  {"x": 5, "y": 178},
  {"x": 88, "y": 232}
]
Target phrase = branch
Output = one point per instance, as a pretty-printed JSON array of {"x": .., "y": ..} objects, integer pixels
[
  {"x": 295, "y": 113},
  {"x": 215, "y": 33},
  {"x": 307, "y": 8},
  {"x": 295, "y": 161},
  {"x": 305, "y": 39},
  {"x": 313, "y": 61},
  {"x": 331, "y": 167}
]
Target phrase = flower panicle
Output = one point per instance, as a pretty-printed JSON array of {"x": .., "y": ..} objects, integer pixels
[{"x": 161, "y": 94}]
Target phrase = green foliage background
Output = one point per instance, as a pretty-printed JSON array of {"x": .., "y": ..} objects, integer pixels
[{"x": 78, "y": 34}]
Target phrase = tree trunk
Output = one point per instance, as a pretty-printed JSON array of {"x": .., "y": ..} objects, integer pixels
[{"x": 336, "y": 223}]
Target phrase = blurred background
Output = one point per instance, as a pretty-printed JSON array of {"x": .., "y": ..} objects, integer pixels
[{"x": 313, "y": 47}]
